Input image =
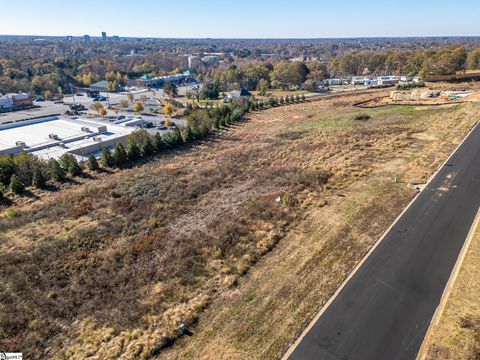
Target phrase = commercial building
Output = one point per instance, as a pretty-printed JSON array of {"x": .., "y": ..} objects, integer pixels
[
  {"x": 104, "y": 35},
  {"x": 160, "y": 81},
  {"x": 13, "y": 101},
  {"x": 51, "y": 137},
  {"x": 100, "y": 86},
  {"x": 86, "y": 38}
]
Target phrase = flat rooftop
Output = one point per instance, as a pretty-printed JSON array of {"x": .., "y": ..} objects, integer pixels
[{"x": 53, "y": 136}]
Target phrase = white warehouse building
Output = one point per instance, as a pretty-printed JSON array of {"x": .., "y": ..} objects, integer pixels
[{"x": 52, "y": 137}]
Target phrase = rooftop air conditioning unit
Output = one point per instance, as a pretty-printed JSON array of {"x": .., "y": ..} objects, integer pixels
[
  {"x": 20, "y": 143},
  {"x": 62, "y": 145},
  {"x": 53, "y": 136},
  {"x": 97, "y": 139},
  {"x": 85, "y": 129}
]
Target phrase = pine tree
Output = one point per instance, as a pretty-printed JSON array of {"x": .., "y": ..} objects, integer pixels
[
  {"x": 39, "y": 180},
  {"x": 147, "y": 147},
  {"x": 133, "y": 152},
  {"x": 16, "y": 186},
  {"x": 56, "y": 171},
  {"x": 119, "y": 155},
  {"x": 107, "y": 158},
  {"x": 158, "y": 142},
  {"x": 74, "y": 169},
  {"x": 187, "y": 135},
  {"x": 92, "y": 163}
]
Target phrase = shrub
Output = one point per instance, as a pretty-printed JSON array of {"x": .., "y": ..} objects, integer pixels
[
  {"x": 2, "y": 191},
  {"x": 92, "y": 163},
  {"x": 7, "y": 168},
  {"x": 173, "y": 137},
  {"x": 237, "y": 114},
  {"x": 39, "y": 180},
  {"x": 303, "y": 97},
  {"x": 187, "y": 134},
  {"x": 297, "y": 98},
  {"x": 106, "y": 157},
  {"x": 119, "y": 155},
  {"x": 138, "y": 107},
  {"x": 411, "y": 85},
  {"x": 133, "y": 152},
  {"x": 10, "y": 214},
  {"x": 16, "y": 186},
  {"x": 55, "y": 170},
  {"x": 362, "y": 117},
  {"x": 168, "y": 122}
]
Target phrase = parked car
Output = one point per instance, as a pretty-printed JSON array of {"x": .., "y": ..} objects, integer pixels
[
  {"x": 100, "y": 98},
  {"x": 148, "y": 124},
  {"x": 39, "y": 98},
  {"x": 77, "y": 107},
  {"x": 79, "y": 94}
]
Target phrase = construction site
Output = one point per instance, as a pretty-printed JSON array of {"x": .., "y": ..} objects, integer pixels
[{"x": 434, "y": 96}]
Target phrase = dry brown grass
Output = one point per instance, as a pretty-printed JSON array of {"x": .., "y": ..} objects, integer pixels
[
  {"x": 457, "y": 336},
  {"x": 112, "y": 267}
]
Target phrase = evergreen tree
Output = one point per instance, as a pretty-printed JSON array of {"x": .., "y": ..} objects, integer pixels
[
  {"x": 119, "y": 155},
  {"x": 39, "y": 180},
  {"x": 147, "y": 147},
  {"x": 187, "y": 135},
  {"x": 158, "y": 142},
  {"x": 92, "y": 163},
  {"x": 133, "y": 152},
  {"x": 74, "y": 169},
  {"x": 16, "y": 186},
  {"x": 106, "y": 157},
  {"x": 56, "y": 171}
]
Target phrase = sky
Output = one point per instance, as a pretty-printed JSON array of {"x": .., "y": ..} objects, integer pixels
[{"x": 241, "y": 18}]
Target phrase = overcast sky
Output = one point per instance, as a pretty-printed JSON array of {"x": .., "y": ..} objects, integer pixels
[{"x": 241, "y": 18}]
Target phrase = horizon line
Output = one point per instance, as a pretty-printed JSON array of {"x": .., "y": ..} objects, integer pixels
[{"x": 249, "y": 38}]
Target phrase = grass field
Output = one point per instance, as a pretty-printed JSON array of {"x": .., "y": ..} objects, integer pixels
[
  {"x": 457, "y": 336},
  {"x": 111, "y": 267}
]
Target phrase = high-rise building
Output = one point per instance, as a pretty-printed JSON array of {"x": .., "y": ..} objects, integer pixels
[
  {"x": 86, "y": 38},
  {"x": 116, "y": 38},
  {"x": 104, "y": 35},
  {"x": 69, "y": 38}
]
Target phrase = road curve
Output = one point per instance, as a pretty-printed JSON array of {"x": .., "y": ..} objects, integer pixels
[{"x": 384, "y": 310}]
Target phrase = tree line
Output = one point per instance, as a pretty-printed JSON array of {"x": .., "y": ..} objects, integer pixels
[{"x": 54, "y": 68}]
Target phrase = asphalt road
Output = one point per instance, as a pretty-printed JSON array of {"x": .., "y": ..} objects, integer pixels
[{"x": 385, "y": 309}]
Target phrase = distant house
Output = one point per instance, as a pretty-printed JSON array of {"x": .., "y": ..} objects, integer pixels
[
  {"x": 100, "y": 86},
  {"x": 237, "y": 94},
  {"x": 361, "y": 80},
  {"x": 388, "y": 80}
]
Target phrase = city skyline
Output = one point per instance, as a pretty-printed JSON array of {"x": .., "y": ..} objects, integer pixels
[{"x": 279, "y": 19}]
